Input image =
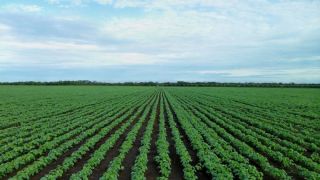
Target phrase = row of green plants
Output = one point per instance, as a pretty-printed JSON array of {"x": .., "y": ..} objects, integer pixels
[
  {"x": 239, "y": 165},
  {"x": 32, "y": 155},
  {"x": 298, "y": 144},
  {"x": 90, "y": 144},
  {"x": 13, "y": 122},
  {"x": 56, "y": 147},
  {"x": 163, "y": 158},
  {"x": 283, "y": 155},
  {"x": 32, "y": 109},
  {"x": 271, "y": 115},
  {"x": 42, "y": 128},
  {"x": 260, "y": 132},
  {"x": 33, "y": 129},
  {"x": 26, "y": 105},
  {"x": 189, "y": 170},
  {"x": 243, "y": 149},
  {"x": 208, "y": 159},
  {"x": 115, "y": 165},
  {"x": 233, "y": 137},
  {"x": 251, "y": 139},
  {"x": 299, "y": 104},
  {"x": 49, "y": 132},
  {"x": 140, "y": 165}
]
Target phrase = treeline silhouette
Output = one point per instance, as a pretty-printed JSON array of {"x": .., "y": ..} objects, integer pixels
[{"x": 178, "y": 83}]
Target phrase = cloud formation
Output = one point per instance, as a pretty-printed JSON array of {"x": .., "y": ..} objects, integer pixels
[
  {"x": 205, "y": 40},
  {"x": 18, "y": 8}
]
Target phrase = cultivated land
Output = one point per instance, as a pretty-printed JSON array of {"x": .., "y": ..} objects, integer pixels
[{"x": 101, "y": 132}]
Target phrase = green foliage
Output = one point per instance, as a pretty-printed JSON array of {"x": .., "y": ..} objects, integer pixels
[{"x": 232, "y": 133}]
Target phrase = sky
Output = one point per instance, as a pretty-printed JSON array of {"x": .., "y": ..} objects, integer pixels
[{"x": 164, "y": 40}]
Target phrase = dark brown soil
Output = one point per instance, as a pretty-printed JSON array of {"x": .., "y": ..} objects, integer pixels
[
  {"x": 201, "y": 174},
  {"x": 176, "y": 167},
  {"x": 152, "y": 171},
  {"x": 87, "y": 156},
  {"x": 46, "y": 153},
  {"x": 128, "y": 161},
  {"x": 56, "y": 135},
  {"x": 60, "y": 160},
  {"x": 291, "y": 172}
]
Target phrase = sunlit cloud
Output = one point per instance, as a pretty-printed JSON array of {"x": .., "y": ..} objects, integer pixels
[
  {"x": 17, "y": 8},
  {"x": 194, "y": 39}
]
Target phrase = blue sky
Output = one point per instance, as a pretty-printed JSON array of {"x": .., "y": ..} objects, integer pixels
[{"x": 165, "y": 40}]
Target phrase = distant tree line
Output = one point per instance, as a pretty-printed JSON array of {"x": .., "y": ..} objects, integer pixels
[{"x": 178, "y": 83}]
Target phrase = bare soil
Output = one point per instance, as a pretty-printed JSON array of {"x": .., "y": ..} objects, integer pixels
[
  {"x": 153, "y": 171},
  {"x": 201, "y": 174}
]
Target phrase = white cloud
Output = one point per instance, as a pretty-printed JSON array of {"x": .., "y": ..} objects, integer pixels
[
  {"x": 173, "y": 4},
  {"x": 104, "y": 2},
  {"x": 240, "y": 24},
  {"x": 232, "y": 72},
  {"x": 4, "y": 28},
  {"x": 305, "y": 59},
  {"x": 16, "y": 8},
  {"x": 54, "y": 1},
  {"x": 64, "y": 54},
  {"x": 293, "y": 73},
  {"x": 68, "y": 3},
  {"x": 51, "y": 45},
  {"x": 223, "y": 31},
  {"x": 207, "y": 33}
]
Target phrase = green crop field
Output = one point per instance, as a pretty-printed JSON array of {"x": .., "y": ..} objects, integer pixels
[{"x": 110, "y": 132}]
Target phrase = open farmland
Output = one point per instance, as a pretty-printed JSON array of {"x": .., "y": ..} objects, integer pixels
[{"x": 101, "y": 132}]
